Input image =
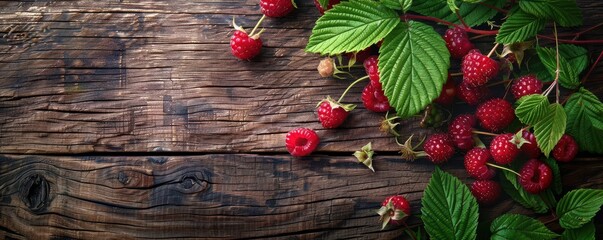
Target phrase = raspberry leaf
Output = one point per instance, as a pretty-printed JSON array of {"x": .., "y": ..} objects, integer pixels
[
  {"x": 449, "y": 210},
  {"x": 549, "y": 130},
  {"x": 512, "y": 187},
  {"x": 519, "y": 27},
  {"x": 351, "y": 26},
  {"x": 578, "y": 207},
  {"x": 413, "y": 63},
  {"x": 564, "y": 12},
  {"x": 586, "y": 232},
  {"x": 472, "y": 14},
  {"x": 532, "y": 108},
  {"x": 568, "y": 77},
  {"x": 403, "y": 5},
  {"x": 516, "y": 226},
  {"x": 576, "y": 56},
  {"x": 584, "y": 123}
]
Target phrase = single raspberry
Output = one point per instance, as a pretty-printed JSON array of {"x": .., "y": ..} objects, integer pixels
[
  {"x": 301, "y": 142},
  {"x": 566, "y": 149},
  {"x": 485, "y": 192},
  {"x": 244, "y": 46},
  {"x": 439, "y": 147},
  {"x": 394, "y": 210},
  {"x": 331, "y": 113},
  {"x": 457, "y": 42},
  {"x": 374, "y": 99},
  {"x": 372, "y": 70},
  {"x": 472, "y": 95},
  {"x": 478, "y": 69},
  {"x": 495, "y": 114},
  {"x": 530, "y": 149},
  {"x": 448, "y": 92},
  {"x": 329, "y": 5},
  {"x": 503, "y": 148},
  {"x": 535, "y": 176},
  {"x": 460, "y": 129},
  {"x": 276, "y": 8},
  {"x": 475, "y": 164},
  {"x": 526, "y": 85}
]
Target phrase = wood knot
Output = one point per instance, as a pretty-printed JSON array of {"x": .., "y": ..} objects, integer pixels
[
  {"x": 193, "y": 182},
  {"x": 34, "y": 192},
  {"x": 123, "y": 178}
]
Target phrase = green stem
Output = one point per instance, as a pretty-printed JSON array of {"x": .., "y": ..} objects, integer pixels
[
  {"x": 493, "y": 49},
  {"x": 484, "y": 133},
  {"x": 257, "y": 25},
  {"x": 503, "y": 168},
  {"x": 349, "y": 87}
]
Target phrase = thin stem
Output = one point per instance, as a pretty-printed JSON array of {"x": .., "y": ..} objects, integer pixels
[
  {"x": 498, "y": 83},
  {"x": 493, "y": 49},
  {"x": 257, "y": 25},
  {"x": 494, "y": 7},
  {"x": 484, "y": 133},
  {"x": 458, "y": 15},
  {"x": 557, "y": 57},
  {"x": 456, "y": 74},
  {"x": 592, "y": 68},
  {"x": 409, "y": 232},
  {"x": 351, "y": 85},
  {"x": 503, "y": 168},
  {"x": 570, "y": 41}
]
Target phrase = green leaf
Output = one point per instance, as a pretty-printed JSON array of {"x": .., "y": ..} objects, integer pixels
[
  {"x": 568, "y": 77},
  {"x": 519, "y": 227},
  {"x": 452, "y": 5},
  {"x": 549, "y": 130},
  {"x": 532, "y": 108},
  {"x": 351, "y": 26},
  {"x": 586, "y": 232},
  {"x": 578, "y": 207},
  {"x": 564, "y": 12},
  {"x": 512, "y": 187},
  {"x": 584, "y": 122},
  {"x": 324, "y": 4},
  {"x": 557, "y": 186},
  {"x": 449, "y": 210},
  {"x": 519, "y": 27},
  {"x": 413, "y": 63},
  {"x": 473, "y": 14},
  {"x": 403, "y": 5},
  {"x": 575, "y": 55}
]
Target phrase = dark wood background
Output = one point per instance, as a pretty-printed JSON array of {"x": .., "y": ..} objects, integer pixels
[{"x": 131, "y": 119}]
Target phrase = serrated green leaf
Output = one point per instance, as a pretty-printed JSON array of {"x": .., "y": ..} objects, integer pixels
[
  {"x": 449, "y": 210},
  {"x": 549, "y": 130},
  {"x": 586, "y": 232},
  {"x": 568, "y": 77},
  {"x": 406, "y": 4},
  {"x": 403, "y": 5},
  {"x": 473, "y": 1},
  {"x": 578, "y": 207},
  {"x": 473, "y": 14},
  {"x": 512, "y": 187},
  {"x": 564, "y": 12},
  {"x": 532, "y": 108},
  {"x": 351, "y": 26},
  {"x": 413, "y": 63},
  {"x": 557, "y": 186},
  {"x": 452, "y": 5},
  {"x": 519, "y": 27},
  {"x": 519, "y": 227},
  {"x": 584, "y": 121},
  {"x": 575, "y": 55}
]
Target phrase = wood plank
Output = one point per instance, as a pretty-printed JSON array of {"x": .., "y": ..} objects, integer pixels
[
  {"x": 111, "y": 76},
  {"x": 220, "y": 196}
]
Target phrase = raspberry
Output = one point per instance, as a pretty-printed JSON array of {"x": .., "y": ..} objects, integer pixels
[
  {"x": 526, "y": 85},
  {"x": 329, "y": 6},
  {"x": 374, "y": 99},
  {"x": 439, "y": 147},
  {"x": 531, "y": 149},
  {"x": 448, "y": 92},
  {"x": 243, "y": 46},
  {"x": 475, "y": 164},
  {"x": 566, "y": 149},
  {"x": 331, "y": 114},
  {"x": 502, "y": 149},
  {"x": 394, "y": 210},
  {"x": 457, "y": 42},
  {"x": 535, "y": 176},
  {"x": 478, "y": 69},
  {"x": 495, "y": 115},
  {"x": 485, "y": 192},
  {"x": 460, "y": 130},
  {"x": 372, "y": 70},
  {"x": 276, "y": 8},
  {"x": 472, "y": 95},
  {"x": 301, "y": 142}
]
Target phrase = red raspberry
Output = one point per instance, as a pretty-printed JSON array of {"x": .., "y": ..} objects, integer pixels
[
  {"x": 531, "y": 149},
  {"x": 495, "y": 114},
  {"x": 475, "y": 164},
  {"x": 374, "y": 99},
  {"x": 276, "y": 8},
  {"x": 331, "y": 114},
  {"x": 439, "y": 147},
  {"x": 371, "y": 68},
  {"x": 478, "y": 69},
  {"x": 485, "y": 192},
  {"x": 394, "y": 210},
  {"x": 472, "y": 95},
  {"x": 566, "y": 149},
  {"x": 329, "y": 6},
  {"x": 457, "y": 42},
  {"x": 502, "y": 149},
  {"x": 526, "y": 85},
  {"x": 301, "y": 142},
  {"x": 460, "y": 130},
  {"x": 535, "y": 176},
  {"x": 448, "y": 92},
  {"x": 243, "y": 46}
]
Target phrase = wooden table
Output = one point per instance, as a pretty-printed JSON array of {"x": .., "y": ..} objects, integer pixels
[{"x": 131, "y": 119}]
